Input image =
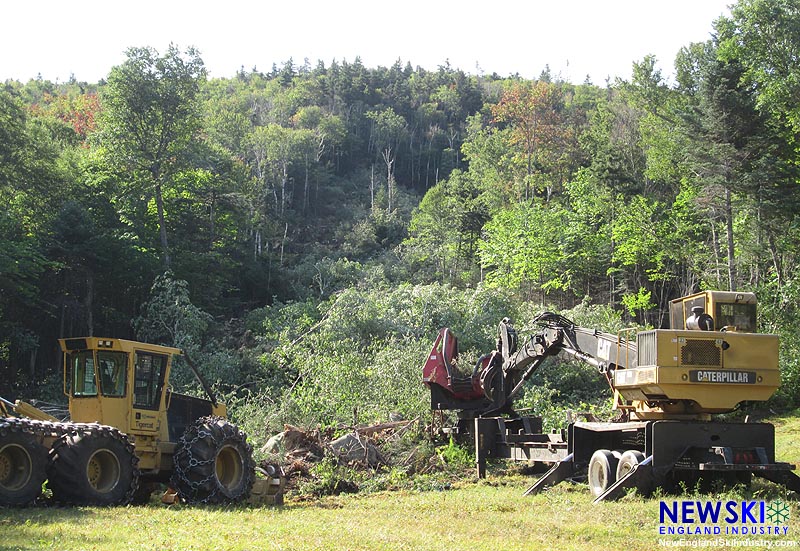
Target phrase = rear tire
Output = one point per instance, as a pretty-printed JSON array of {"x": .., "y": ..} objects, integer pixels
[
  {"x": 602, "y": 471},
  {"x": 94, "y": 465},
  {"x": 628, "y": 461},
  {"x": 23, "y": 461},
  {"x": 213, "y": 463}
]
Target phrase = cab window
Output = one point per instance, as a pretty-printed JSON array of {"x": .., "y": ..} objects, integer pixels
[
  {"x": 740, "y": 316},
  {"x": 148, "y": 380},
  {"x": 83, "y": 373},
  {"x": 112, "y": 368},
  {"x": 682, "y": 309}
]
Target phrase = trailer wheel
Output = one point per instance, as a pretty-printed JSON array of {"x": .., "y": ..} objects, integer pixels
[
  {"x": 22, "y": 468},
  {"x": 93, "y": 466},
  {"x": 213, "y": 463},
  {"x": 602, "y": 471},
  {"x": 628, "y": 461}
]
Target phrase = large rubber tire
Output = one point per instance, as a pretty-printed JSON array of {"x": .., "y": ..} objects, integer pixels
[
  {"x": 628, "y": 461},
  {"x": 602, "y": 471},
  {"x": 93, "y": 465},
  {"x": 23, "y": 463},
  {"x": 213, "y": 463}
]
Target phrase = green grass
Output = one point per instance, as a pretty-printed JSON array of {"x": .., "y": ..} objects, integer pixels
[
  {"x": 787, "y": 437},
  {"x": 474, "y": 515}
]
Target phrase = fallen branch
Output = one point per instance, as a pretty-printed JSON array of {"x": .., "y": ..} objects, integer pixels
[{"x": 372, "y": 429}]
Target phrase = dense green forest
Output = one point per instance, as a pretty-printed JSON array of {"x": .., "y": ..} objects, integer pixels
[{"x": 304, "y": 232}]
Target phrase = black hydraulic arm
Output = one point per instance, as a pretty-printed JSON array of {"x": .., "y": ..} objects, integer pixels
[{"x": 559, "y": 335}]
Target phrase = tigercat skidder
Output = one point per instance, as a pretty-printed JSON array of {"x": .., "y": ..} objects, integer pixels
[
  {"x": 666, "y": 385},
  {"x": 128, "y": 433}
]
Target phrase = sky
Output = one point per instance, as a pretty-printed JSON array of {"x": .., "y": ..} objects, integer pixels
[{"x": 601, "y": 39}]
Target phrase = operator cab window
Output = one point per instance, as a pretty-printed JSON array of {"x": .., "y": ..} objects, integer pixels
[
  {"x": 149, "y": 380},
  {"x": 113, "y": 368},
  {"x": 680, "y": 310},
  {"x": 83, "y": 380},
  {"x": 740, "y": 316}
]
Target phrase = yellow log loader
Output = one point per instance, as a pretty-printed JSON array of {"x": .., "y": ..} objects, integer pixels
[
  {"x": 667, "y": 386},
  {"x": 128, "y": 433}
]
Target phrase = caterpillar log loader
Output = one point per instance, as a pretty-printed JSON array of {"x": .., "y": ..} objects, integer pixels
[
  {"x": 128, "y": 433},
  {"x": 667, "y": 385}
]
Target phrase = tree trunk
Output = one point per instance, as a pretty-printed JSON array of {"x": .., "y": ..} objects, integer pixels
[
  {"x": 162, "y": 227},
  {"x": 283, "y": 241},
  {"x": 257, "y": 244},
  {"x": 715, "y": 248},
  {"x": 729, "y": 231},
  {"x": 89, "y": 303},
  {"x": 284, "y": 181},
  {"x": 372, "y": 188},
  {"x": 32, "y": 363},
  {"x": 305, "y": 188},
  {"x": 776, "y": 259},
  {"x": 428, "y": 165},
  {"x": 389, "y": 160},
  {"x": 320, "y": 151}
]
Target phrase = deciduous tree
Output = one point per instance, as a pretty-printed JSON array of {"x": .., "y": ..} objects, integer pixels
[{"x": 150, "y": 115}]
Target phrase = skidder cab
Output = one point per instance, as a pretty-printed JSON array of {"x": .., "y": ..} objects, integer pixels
[{"x": 125, "y": 384}]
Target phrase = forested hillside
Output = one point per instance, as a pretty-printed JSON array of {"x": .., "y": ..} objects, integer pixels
[{"x": 305, "y": 232}]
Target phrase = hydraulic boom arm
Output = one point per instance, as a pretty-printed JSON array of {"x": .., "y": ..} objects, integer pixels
[{"x": 499, "y": 376}]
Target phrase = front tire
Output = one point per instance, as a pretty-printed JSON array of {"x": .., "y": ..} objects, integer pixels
[
  {"x": 213, "y": 463},
  {"x": 23, "y": 461},
  {"x": 94, "y": 465}
]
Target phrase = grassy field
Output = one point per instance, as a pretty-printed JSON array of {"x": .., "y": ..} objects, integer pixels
[
  {"x": 473, "y": 515},
  {"x": 787, "y": 437},
  {"x": 479, "y": 516}
]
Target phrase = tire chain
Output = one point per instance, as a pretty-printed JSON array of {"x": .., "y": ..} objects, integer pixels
[
  {"x": 42, "y": 430},
  {"x": 191, "y": 465},
  {"x": 186, "y": 446}
]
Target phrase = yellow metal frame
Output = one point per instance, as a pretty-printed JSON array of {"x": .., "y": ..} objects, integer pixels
[{"x": 147, "y": 427}]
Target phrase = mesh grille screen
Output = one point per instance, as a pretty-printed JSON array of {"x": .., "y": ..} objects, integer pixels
[{"x": 700, "y": 352}]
